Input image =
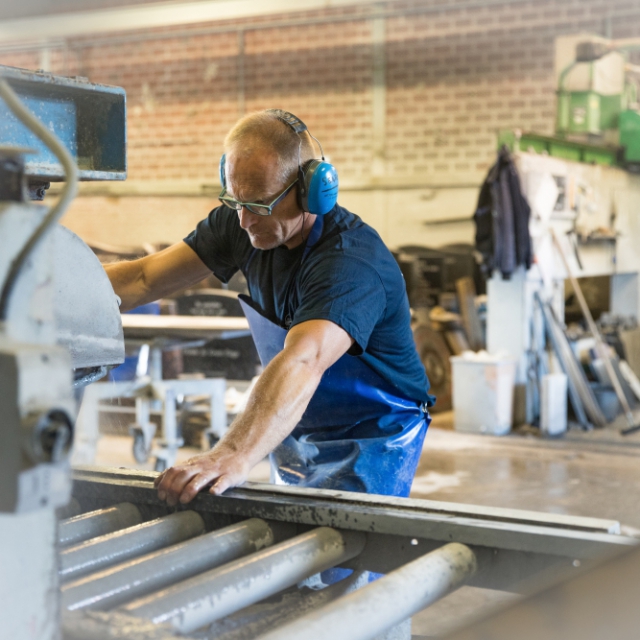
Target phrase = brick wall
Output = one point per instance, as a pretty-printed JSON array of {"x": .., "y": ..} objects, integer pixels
[{"x": 454, "y": 77}]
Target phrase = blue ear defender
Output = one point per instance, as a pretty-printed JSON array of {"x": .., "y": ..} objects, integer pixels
[
  {"x": 317, "y": 188},
  {"x": 221, "y": 167}
]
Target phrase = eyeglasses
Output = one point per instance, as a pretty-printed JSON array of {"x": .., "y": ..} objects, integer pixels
[{"x": 254, "y": 207}]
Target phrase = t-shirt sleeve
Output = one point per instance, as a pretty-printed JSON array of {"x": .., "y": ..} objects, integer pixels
[
  {"x": 215, "y": 242},
  {"x": 347, "y": 291}
]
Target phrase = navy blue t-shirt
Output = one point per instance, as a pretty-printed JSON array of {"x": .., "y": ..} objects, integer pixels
[{"x": 348, "y": 277}]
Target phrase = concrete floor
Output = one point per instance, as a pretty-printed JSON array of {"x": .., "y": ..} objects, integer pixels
[
  {"x": 585, "y": 473},
  {"x": 590, "y": 474}
]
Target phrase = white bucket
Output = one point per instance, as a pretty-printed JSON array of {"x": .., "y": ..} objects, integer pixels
[
  {"x": 483, "y": 393},
  {"x": 553, "y": 404}
]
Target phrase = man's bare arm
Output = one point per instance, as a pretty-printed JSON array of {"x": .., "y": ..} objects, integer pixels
[
  {"x": 276, "y": 405},
  {"x": 140, "y": 281}
]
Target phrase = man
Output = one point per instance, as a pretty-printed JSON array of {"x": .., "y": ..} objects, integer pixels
[{"x": 342, "y": 402}]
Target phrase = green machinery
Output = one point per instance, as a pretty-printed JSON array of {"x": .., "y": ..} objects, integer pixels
[{"x": 597, "y": 113}]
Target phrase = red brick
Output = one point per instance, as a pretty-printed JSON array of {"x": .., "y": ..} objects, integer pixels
[{"x": 453, "y": 78}]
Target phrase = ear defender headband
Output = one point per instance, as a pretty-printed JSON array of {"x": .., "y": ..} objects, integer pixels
[{"x": 317, "y": 187}]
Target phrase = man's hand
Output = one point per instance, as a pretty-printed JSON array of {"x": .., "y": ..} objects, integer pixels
[{"x": 218, "y": 469}]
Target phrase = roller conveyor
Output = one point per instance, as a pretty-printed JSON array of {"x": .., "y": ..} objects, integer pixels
[{"x": 247, "y": 564}]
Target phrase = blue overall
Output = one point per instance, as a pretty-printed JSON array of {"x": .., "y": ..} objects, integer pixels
[{"x": 357, "y": 433}]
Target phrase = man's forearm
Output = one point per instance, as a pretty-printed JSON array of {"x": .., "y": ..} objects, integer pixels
[
  {"x": 127, "y": 280},
  {"x": 155, "y": 276},
  {"x": 275, "y": 407}
]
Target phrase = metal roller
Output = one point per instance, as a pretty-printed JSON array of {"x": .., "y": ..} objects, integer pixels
[
  {"x": 97, "y": 625},
  {"x": 98, "y": 523},
  {"x": 376, "y": 608},
  {"x": 251, "y": 622},
  {"x": 201, "y": 600},
  {"x": 115, "y": 586},
  {"x": 122, "y": 545},
  {"x": 70, "y": 510}
]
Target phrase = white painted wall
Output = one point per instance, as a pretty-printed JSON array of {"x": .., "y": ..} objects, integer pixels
[{"x": 402, "y": 216}]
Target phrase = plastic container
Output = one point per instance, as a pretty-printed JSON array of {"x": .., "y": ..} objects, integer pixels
[
  {"x": 553, "y": 404},
  {"x": 483, "y": 393}
]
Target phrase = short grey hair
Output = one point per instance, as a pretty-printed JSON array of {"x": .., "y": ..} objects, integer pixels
[{"x": 263, "y": 131}]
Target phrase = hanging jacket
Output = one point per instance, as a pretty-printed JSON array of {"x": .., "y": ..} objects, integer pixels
[{"x": 502, "y": 219}]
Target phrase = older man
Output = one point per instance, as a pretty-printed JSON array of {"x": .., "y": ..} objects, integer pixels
[{"x": 342, "y": 402}]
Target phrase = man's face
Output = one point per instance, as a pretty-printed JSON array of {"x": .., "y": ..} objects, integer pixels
[{"x": 255, "y": 179}]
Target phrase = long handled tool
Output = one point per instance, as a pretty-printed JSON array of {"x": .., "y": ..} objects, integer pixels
[
  {"x": 583, "y": 401},
  {"x": 601, "y": 347}
]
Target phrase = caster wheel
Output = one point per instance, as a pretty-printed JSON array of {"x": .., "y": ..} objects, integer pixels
[
  {"x": 140, "y": 450},
  {"x": 212, "y": 439},
  {"x": 435, "y": 353},
  {"x": 160, "y": 465}
]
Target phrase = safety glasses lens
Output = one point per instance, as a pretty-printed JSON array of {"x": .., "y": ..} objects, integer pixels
[
  {"x": 259, "y": 211},
  {"x": 232, "y": 204}
]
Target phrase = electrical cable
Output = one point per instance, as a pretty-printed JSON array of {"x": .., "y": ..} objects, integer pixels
[
  {"x": 57, "y": 211},
  {"x": 318, "y": 143}
]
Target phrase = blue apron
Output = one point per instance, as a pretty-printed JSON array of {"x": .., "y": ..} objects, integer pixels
[{"x": 357, "y": 433}]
